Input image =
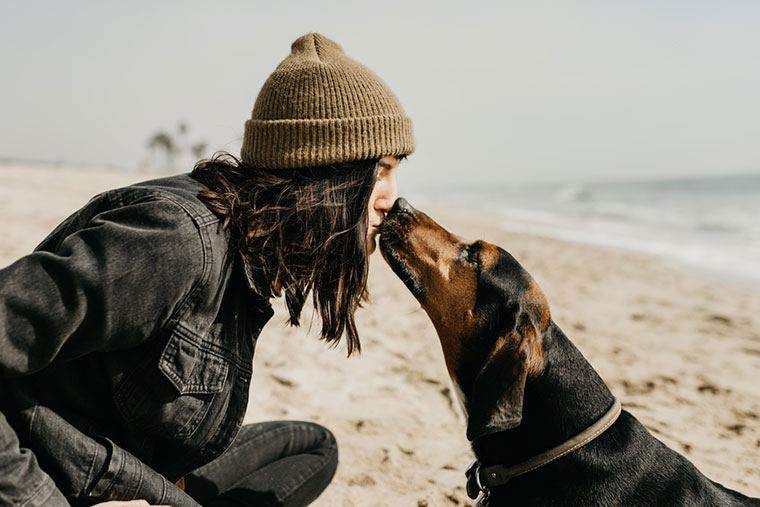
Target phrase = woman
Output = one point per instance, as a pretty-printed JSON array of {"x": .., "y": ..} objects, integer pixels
[{"x": 127, "y": 336}]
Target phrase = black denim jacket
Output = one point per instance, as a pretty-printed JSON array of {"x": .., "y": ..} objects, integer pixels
[{"x": 126, "y": 347}]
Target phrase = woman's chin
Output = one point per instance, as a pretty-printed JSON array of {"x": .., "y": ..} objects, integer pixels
[
  {"x": 372, "y": 235},
  {"x": 371, "y": 244}
]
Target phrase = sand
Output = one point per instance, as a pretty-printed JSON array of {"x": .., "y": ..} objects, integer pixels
[{"x": 681, "y": 349}]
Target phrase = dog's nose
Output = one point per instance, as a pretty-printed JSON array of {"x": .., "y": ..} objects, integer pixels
[{"x": 402, "y": 206}]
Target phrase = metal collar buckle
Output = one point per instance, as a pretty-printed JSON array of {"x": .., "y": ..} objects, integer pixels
[{"x": 475, "y": 486}]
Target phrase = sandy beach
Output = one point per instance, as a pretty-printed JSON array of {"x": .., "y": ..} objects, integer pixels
[{"x": 681, "y": 350}]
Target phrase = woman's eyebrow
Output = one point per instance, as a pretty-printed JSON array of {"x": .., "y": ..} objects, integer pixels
[{"x": 386, "y": 165}]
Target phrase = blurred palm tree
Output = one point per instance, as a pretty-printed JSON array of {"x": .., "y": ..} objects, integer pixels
[
  {"x": 162, "y": 145},
  {"x": 199, "y": 149},
  {"x": 162, "y": 141}
]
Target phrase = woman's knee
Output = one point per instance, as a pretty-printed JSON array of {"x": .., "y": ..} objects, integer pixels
[
  {"x": 293, "y": 438},
  {"x": 322, "y": 447},
  {"x": 331, "y": 445},
  {"x": 324, "y": 444},
  {"x": 326, "y": 439}
]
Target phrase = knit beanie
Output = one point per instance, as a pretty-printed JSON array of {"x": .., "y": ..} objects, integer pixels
[{"x": 319, "y": 107}]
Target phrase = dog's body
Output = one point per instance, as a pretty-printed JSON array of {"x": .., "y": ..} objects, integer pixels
[
  {"x": 625, "y": 465},
  {"x": 526, "y": 387}
]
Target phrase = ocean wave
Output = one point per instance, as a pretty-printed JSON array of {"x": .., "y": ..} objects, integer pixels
[
  {"x": 734, "y": 256},
  {"x": 712, "y": 223}
]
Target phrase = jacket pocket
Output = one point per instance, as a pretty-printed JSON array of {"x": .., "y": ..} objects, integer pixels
[{"x": 168, "y": 394}]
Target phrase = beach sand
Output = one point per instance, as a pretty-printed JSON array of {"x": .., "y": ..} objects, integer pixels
[{"x": 679, "y": 348}]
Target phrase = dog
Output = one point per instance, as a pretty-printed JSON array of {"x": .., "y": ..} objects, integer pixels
[{"x": 544, "y": 427}]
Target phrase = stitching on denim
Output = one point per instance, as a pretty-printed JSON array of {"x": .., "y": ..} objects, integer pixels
[
  {"x": 139, "y": 483},
  {"x": 165, "y": 366},
  {"x": 183, "y": 306},
  {"x": 142, "y": 194},
  {"x": 192, "y": 425},
  {"x": 115, "y": 475},
  {"x": 164, "y": 490},
  {"x": 200, "y": 214},
  {"x": 209, "y": 347},
  {"x": 87, "y": 486}
]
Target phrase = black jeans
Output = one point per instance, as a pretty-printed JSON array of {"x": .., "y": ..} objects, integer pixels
[{"x": 269, "y": 463}]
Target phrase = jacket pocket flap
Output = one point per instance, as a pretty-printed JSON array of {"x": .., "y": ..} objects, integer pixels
[{"x": 190, "y": 367}]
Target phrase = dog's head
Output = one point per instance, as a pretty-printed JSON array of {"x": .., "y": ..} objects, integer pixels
[{"x": 489, "y": 313}]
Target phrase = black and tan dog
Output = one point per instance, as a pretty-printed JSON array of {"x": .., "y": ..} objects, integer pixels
[{"x": 543, "y": 425}]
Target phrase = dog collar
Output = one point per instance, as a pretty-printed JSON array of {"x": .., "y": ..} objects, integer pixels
[{"x": 481, "y": 480}]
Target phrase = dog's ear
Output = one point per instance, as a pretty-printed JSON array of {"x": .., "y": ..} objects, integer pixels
[{"x": 496, "y": 400}]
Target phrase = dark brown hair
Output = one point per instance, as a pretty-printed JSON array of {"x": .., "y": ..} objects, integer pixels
[{"x": 301, "y": 230}]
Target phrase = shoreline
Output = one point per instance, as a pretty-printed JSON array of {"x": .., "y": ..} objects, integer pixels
[
  {"x": 680, "y": 350},
  {"x": 536, "y": 223},
  {"x": 737, "y": 278}
]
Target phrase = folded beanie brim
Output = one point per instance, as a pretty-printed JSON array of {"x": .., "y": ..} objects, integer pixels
[{"x": 291, "y": 143}]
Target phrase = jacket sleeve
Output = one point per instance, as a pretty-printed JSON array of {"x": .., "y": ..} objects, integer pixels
[
  {"x": 22, "y": 481},
  {"x": 117, "y": 475},
  {"x": 107, "y": 286}
]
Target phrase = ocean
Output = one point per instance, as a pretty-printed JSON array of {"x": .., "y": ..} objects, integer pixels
[{"x": 712, "y": 223}]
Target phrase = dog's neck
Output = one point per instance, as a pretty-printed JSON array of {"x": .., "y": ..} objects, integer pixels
[{"x": 568, "y": 397}]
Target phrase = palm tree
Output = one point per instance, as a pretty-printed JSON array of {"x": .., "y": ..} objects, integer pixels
[
  {"x": 174, "y": 148},
  {"x": 199, "y": 149},
  {"x": 163, "y": 141}
]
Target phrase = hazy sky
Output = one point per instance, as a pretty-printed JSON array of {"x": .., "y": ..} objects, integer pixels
[{"x": 497, "y": 90}]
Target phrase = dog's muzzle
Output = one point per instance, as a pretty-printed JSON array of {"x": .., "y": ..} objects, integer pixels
[{"x": 393, "y": 243}]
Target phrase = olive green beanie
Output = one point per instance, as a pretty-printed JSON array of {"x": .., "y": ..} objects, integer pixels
[{"x": 320, "y": 107}]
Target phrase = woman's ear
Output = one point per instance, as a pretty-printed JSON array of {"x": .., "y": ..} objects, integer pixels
[{"x": 496, "y": 401}]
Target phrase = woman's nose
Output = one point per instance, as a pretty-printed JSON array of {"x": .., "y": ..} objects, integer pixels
[
  {"x": 384, "y": 204},
  {"x": 386, "y": 198}
]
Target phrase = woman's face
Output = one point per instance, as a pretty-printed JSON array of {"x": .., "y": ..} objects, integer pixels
[{"x": 382, "y": 198}]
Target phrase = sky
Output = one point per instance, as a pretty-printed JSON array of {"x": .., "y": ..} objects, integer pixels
[{"x": 498, "y": 91}]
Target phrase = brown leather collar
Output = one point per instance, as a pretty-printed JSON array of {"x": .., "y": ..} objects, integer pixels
[{"x": 481, "y": 480}]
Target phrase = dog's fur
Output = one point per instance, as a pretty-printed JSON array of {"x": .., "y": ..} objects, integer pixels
[{"x": 526, "y": 387}]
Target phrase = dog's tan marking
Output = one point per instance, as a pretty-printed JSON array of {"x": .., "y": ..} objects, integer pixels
[
  {"x": 433, "y": 254},
  {"x": 450, "y": 283},
  {"x": 489, "y": 255}
]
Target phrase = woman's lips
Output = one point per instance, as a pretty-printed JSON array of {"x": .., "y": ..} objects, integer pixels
[{"x": 376, "y": 227}]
